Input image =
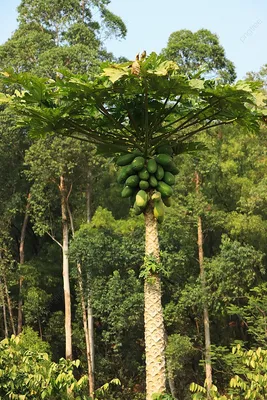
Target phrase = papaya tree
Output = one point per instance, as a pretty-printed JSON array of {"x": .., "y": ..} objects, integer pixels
[{"x": 142, "y": 113}]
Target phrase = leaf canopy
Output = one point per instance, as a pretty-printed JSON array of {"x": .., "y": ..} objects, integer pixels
[{"x": 124, "y": 109}]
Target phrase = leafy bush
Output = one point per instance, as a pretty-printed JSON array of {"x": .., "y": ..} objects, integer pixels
[
  {"x": 30, "y": 374},
  {"x": 249, "y": 381}
]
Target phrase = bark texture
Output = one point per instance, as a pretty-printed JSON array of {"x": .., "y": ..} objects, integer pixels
[
  {"x": 208, "y": 366},
  {"x": 86, "y": 328},
  {"x": 21, "y": 261},
  {"x": 65, "y": 272},
  {"x": 90, "y": 318},
  {"x": 4, "y": 309},
  {"x": 154, "y": 326},
  {"x": 86, "y": 334},
  {"x": 9, "y": 306}
]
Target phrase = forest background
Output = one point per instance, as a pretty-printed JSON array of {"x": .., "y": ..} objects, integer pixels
[{"x": 230, "y": 199}]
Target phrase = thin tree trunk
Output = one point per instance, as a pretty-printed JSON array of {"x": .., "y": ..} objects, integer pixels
[
  {"x": 21, "y": 262},
  {"x": 86, "y": 334},
  {"x": 40, "y": 329},
  {"x": 153, "y": 315},
  {"x": 90, "y": 321},
  {"x": 90, "y": 318},
  {"x": 66, "y": 279},
  {"x": 83, "y": 9},
  {"x": 205, "y": 307},
  {"x": 170, "y": 376},
  {"x": 84, "y": 314},
  {"x": 4, "y": 309},
  {"x": 89, "y": 197},
  {"x": 9, "y": 306}
]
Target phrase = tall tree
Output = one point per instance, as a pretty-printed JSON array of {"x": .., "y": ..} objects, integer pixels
[
  {"x": 137, "y": 107},
  {"x": 206, "y": 320},
  {"x": 52, "y": 36},
  {"x": 192, "y": 50}
]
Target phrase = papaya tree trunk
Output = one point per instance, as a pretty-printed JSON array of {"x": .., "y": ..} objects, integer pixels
[
  {"x": 208, "y": 367},
  {"x": 153, "y": 315},
  {"x": 21, "y": 262},
  {"x": 65, "y": 272}
]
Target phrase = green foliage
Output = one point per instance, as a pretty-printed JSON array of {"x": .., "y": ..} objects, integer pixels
[
  {"x": 253, "y": 313},
  {"x": 193, "y": 51},
  {"x": 63, "y": 35},
  {"x": 233, "y": 271},
  {"x": 30, "y": 374},
  {"x": 249, "y": 381},
  {"x": 101, "y": 115},
  {"x": 30, "y": 340},
  {"x": 151, "y": 266}
]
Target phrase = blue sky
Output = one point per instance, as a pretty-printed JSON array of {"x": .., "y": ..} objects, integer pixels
[{"x": 241, "y": 26}]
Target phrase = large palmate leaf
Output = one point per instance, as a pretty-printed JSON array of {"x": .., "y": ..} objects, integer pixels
[{"x": 125, "y": 107}]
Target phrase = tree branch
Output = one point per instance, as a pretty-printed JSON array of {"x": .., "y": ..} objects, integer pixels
[{"x": 55, "y": 240}]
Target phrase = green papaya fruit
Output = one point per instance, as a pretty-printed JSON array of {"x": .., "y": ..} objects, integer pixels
[
  {"x": 164, "y": 149},
  {"x": 143, "y": 174},
  {"x": 132, "y": 181},
  {"x": 125, "y": 159},
  {"x": 151, "y": 166},
  {"x": 141, "y": 198},
  {"x": 127, "y": 191},
  {"x": 159, "y": 211},
  {"x": 164, "y": 189},
  {"x": 163, "y": 159},
  {"x": 137, "y": 210},
  {"x": 159, "y": 173},
  {"x": 132, "y": 197},
  {"x": 168, "y": 178},
  {"x": 156, "y": 196},
  {"x": 124, "y": 173},
  {"x": 138, "y": 163},
  {"x": 144, "y": 185},
  {"x": 172, "y": 168},
  {"x": 137, "y": 152},
  {"x": 167, "y": 201},
  {"x": 153, "y": 181}
]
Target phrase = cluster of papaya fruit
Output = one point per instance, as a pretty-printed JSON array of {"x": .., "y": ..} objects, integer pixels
[{"x": 148, "y": 177}]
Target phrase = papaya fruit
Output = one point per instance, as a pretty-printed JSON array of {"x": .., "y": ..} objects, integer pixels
[
  {"x": 132, "y": 197},
  {"x": 153, "y": 181},
  {"x": 137, "y": 210},
  {"x": 132, "y": 181},
  {"x": 159, "y": 173},
  {"x": 172, "y": 168},
  {"x": 159, "y": 211},
  {"x": 164, "y": 149},
  {"x": 144, "y": 185},
  {"x": 124, "y": 173},
  {"x": 127, "y": 191},
  {"x": 167, "y": 201},
  {"x": 141, "y": 199},
  {"x": 156, "y": 196},
  {"x": 168, "y": 178},
  {"x": 151, "y": 166},
  {"x": 143, "y": 174},
  {"x": 164, "y": 189},
  {"x": 163, "y": 159},
  {"x": 125, "y": 159},
  {"x": 137, "y": 152},
  {"x": 138, "y": 163}
]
